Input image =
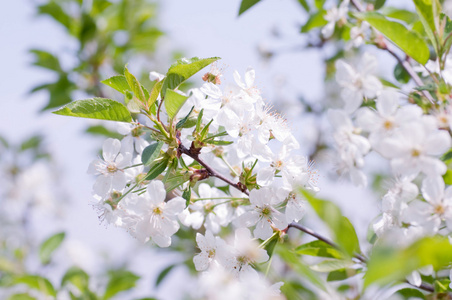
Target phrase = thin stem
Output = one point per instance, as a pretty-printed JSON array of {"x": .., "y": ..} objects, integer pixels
[
  {"x": 133, "y": 166},
  {"x": 229, "y": 166},
  {"x": 312, "y": 233}
]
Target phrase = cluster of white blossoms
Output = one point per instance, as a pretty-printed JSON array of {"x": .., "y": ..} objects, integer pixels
[
  {"x": 248, "y": 177},
  {"x": 411, "y": 136}
]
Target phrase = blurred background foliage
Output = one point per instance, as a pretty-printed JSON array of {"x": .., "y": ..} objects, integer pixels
[{"x": 103, "y": 36}]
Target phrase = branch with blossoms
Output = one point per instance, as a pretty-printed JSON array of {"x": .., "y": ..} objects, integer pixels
[{"x": 242, "y": 172}]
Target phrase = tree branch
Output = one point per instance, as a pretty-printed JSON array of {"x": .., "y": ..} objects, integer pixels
[{"x": 209, "y": 169}]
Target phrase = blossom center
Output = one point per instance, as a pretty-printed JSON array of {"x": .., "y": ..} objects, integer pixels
[
  {"x": 439, "y": 209},
  {"x": 211, "y": 253},
  {"x": 416, "y": 152},
  {"x": 277, "y": 164},
  {"x": 266, "y": 211},
  {"x": 111, "y": 168},
  {"x": 388, "y": 125},
  {"x": 157, "y": 211}
]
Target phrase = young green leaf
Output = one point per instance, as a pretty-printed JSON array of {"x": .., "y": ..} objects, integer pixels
[
  {"x": 96, "y": 108},
  {"x": 345, "y": 235},
  {"x": 46, "y": 60},
  {"x": 36, "y": 282},
  {"x": 315, "y": 20},
  {"x": 182, "y": 70},
  {"x": 341, "y": 274},
  {"x": 103, "y": 131},
  {"x": 427, "y": 16},
  {"x": 119, "y": 83},
  {"x": 332, "y": 265},
  {"x": 76, "y": 277},
  {"x": 173, "y": 102},
  {"x": 120, "y": 281},
  {"x": 409, "y": 41},
  {"x": 386, "y": 265},
  {"x": 294, "y": 262},
  {"x": 247, "y": 4},
  {"x": 182, "y": 121},
  {"x": 151, "y": 152},
  {"x": 135, "y": 85},
  {"x": 319, "y": 248},
  {"x": 157, "y": 169},
  {"x": 49, "y": 246},
  {"x": 187, "y": 196},
  {"x": 21, "y": 296},
  {"x": 156, "y": 89},
  {"x": 163, "y": 274}
]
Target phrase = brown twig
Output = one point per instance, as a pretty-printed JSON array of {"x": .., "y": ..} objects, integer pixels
[{"x": 183, "y": 150}]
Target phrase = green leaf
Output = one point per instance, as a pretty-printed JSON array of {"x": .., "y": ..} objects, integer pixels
[
  {"x": 408, "y": 293},
  {"x": 22, "y": 296},
  {"x": 101, "y": 130},
  {"x": 46, "y": 60},
  {"x": 187, "y": 196},
  {"x": 424, "y": 9},
  {"x": 341, "y": 274},
  {"x": 77, "y": 277},
  {"x": 32, "y": 143},
  {"x": 88, "y": 29},
  {"x": 119, "y": 83},
  {"x": 59, "y": 91},
  {"x": 319, "y": 248},
  {"x": 151, "y": 152},
  {"x": 401, "y": 74},
  {"x": 173, "y": 102},
  {"x": 136, "y": 86},
  {"x": 49, "y": 246},
  {"x": 406, "y": 16},
  {"x": 156, "y": 89},
  {"x": 388, "y": 83},
  {"x": 184, "y": 120},
  {"x": 157, "y": 168},
  {"x": 442, "y": 285},
  {"x": 97, "y": 108},
  {"x": 270, "y": 244},
  {"x": 54, "y": 10},
  {"x": 386, "y": 265},
  {"x": 297, "y": 265},
  {"x": 447, "y": 157},
  {"x": 247, "y": 4},
  {"x": 120, "y": 281},
  {"x": 294, "y": 290},
  {"x": 332, "y": 265},
  {"x": 163, "y": 274},
  {"x": 315, "y": 20},
  {"x": 408, "y": 41},
  {"x": 183, "y": 69},
  {"x": 447, "y": 177},
  {"x": 305, "y": 5},
  {"x": 379, "y": 4},
  {"x": 219, "y": 142},
  {"x": 345, "y": 235},
  {"x": 36, "y": 282}
]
